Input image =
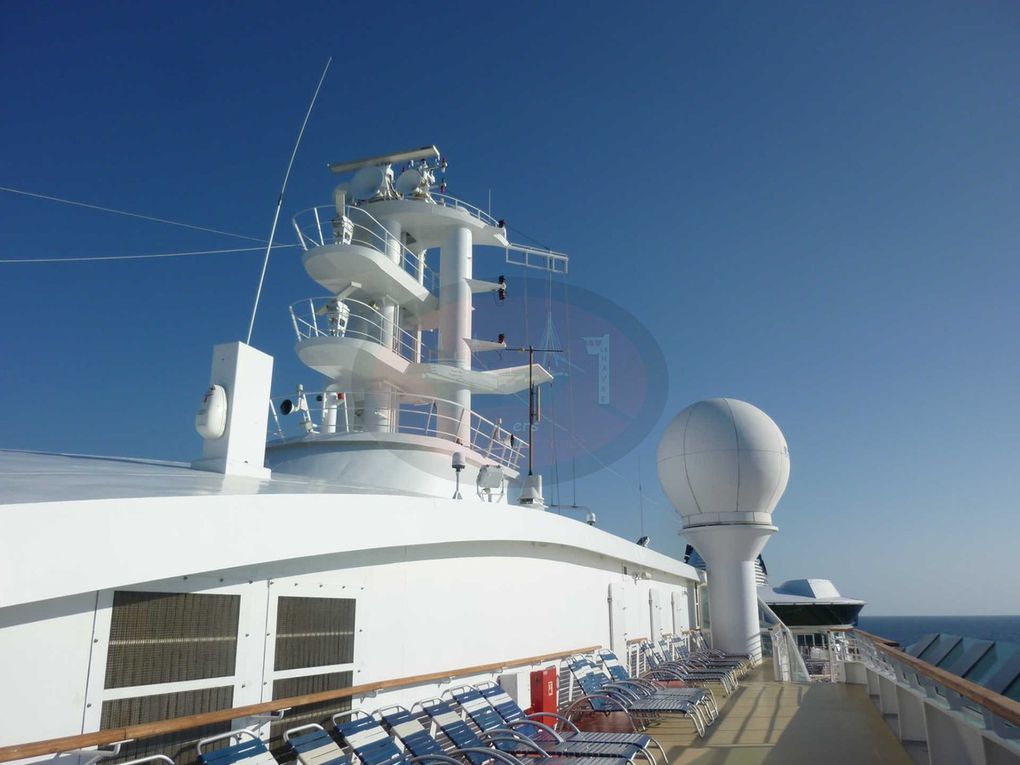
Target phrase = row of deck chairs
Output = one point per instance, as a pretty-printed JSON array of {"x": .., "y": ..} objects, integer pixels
[
  {"x": 640, "y": 698},
  {"x": 483, "y": 725},
  {"x": 672, "y": 658}
]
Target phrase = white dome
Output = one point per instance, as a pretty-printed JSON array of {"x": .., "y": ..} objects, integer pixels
[{"x": 723, "y": 461}]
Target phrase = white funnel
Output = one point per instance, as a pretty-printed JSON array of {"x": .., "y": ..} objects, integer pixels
[{"x": 724, "y": 464}]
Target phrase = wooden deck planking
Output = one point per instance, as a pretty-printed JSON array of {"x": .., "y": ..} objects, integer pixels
[{"x": 786, "y": 724}]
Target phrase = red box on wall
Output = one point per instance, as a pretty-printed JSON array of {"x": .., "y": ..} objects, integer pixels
[{"x": 544, "y": 696}]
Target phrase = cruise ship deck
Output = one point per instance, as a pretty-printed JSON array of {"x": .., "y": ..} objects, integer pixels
[{"x": 775, "y": 723}]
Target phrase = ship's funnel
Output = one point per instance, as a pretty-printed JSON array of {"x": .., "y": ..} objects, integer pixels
[{"x": 724, "y": 465}]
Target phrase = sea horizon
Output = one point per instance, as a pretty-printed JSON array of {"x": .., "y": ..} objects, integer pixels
[{"x": 907, "y": 630}]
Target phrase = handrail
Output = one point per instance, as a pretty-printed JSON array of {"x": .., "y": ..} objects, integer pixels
[
  {"x": 332, "y": 228},
  {"x": 869, "y": 636},
  {"x": 363, "y": 323},
  {"x": 178, "y": 724},
  {"x": 475, "y": 212},
  {"x": 1001, "y": 706},
  {"x": 415, "y": 414}
]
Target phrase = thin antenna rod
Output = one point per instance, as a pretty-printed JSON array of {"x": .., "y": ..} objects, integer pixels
[
  {"x": 641, "y": 496},
  {"x": 279, "y": 202}
]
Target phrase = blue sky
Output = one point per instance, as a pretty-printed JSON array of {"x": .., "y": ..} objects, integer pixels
[{"x": 811, "y": 206}]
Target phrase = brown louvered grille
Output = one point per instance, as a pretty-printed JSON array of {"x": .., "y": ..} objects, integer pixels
[
  {"x": 158, "y": 637},
  {"x": 320, "y": 713},
  {"x": 314, "y": 632},
  {"x": 163, "y": 706}
]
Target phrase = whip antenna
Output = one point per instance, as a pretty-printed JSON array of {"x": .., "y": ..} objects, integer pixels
[{"x": 279, "y": 202}]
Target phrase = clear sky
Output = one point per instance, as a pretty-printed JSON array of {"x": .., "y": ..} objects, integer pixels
[{"x": 811, "y": 206}]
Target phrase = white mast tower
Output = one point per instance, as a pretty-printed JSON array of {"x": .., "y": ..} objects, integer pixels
[{"x": 395, "y": 337}]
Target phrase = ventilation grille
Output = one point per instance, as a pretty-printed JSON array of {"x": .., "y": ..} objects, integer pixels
[
  {"x": 314, "y": 632},
  {"x": 158, "y": 637},
  {"x": 163, "y": 706}
]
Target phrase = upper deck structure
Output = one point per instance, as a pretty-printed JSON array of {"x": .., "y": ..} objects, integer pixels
[{"x": 394, "y": 337}]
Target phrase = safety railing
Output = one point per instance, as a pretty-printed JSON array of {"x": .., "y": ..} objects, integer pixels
[
  {"x": 281, "y": 708},
  {"x": 331, "y": 317},
  {"x": 324, "y": 226},
  {"x": 320, "y": 414},
  {"x": 445, "y": 200},
  {"x": 984, "y": 708}
]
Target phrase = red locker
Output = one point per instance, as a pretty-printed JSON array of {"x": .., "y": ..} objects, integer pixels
[{"x": 544, "y": 696}]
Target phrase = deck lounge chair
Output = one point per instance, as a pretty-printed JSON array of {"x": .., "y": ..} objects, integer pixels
[
  {"x": 676, "y": 649},
  {"x": 698, "y": 645},
  {"x": 312, "y": 745},
  {"x": 249, "y": 750},
  {"x": 651, "y": 685},
  {"x": 739, "y": 667},
  {"x": 601, "y": 696},
  {"x": 487, "y": 717},
  {"x": 421, "y": 743},
  {"x": 687, "y": 670},
  {"x": 372, "y": 744},
  {"x": 460, "y": 733},
  {"x": 512, "y": 713}
]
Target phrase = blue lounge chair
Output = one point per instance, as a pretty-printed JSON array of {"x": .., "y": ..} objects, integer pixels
[
  {"x": 602, "y": 696},
  {"x": 740, "y": 665},
  {"x": 485, "y": 716},
  {"x": 460, "y": 733},
  {"x": 372, "y": 744},
  {"x": 312, "y": 745},
  {"x": 512, "y": 713},
  {"x": 703, "y": 697},
  {"x": 699, "y": 647},
  {"x": 249, "y": 750},
  {"x": 652, "y": 689},
  {"x": 420, "y": 743},
  {"x": 688, "y": 671}
]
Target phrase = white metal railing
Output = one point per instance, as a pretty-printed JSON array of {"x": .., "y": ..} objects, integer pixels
[
  {"x": 330, "y": 317},
  {"x": 445, "y": 200},
  {"x": 977, "y": 706},
  {"x": 323, "y": 226},
  {"x": 321, "y": 414}
]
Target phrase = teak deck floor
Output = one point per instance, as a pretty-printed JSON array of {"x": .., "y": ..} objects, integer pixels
[{"x": 786, "y": 724}]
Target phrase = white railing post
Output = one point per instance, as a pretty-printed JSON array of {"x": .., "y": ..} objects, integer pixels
[{"x": 318, "y": 226}]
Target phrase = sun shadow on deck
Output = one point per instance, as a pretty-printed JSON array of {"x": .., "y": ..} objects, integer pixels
[{"x": 770, "y": 723}]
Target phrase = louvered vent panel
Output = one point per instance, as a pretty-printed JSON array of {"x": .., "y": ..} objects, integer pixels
[
  {"x": 314, "y": 632},
  {"x": 163, "y": 706},
  {"x": 158, "y": 637}
]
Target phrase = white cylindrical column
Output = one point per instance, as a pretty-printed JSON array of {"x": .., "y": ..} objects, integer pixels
[
  {"x": 455, "y": 269},
  {"x": 729, "y": 552},
  {"x": 392, "y": 231},
  {"x": 378, "y": 409}
]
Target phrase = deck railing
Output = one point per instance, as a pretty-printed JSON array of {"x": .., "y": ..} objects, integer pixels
[
  {"x": 991, "y": 710},
  {"x": 257, "y": 711},
  {"x": 329, "y": 317},
  {"x": 321, "y": 414},
  {"x": 445, "y": 200},
  {"x": 323, "y": 226}
]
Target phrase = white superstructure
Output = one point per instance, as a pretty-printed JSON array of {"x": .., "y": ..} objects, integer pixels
[
  {"x": 386, "y": 540},
  {"x": 377, "y": 540}
]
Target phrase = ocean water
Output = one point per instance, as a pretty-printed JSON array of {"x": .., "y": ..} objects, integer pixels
[{"x": 906, "y": 630}]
